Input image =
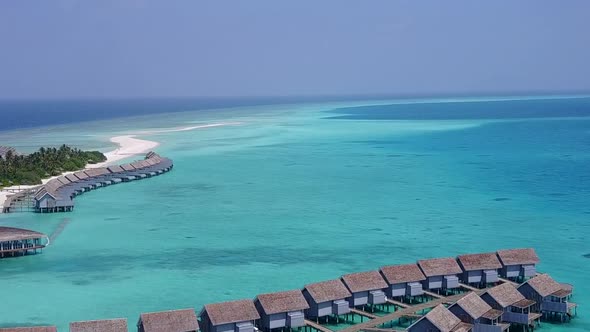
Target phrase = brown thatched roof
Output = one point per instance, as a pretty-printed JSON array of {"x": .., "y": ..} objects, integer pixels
[
  {"x": 231, "y": 312},
  {"x": 110, "y": 325},
  {"x": 442, "y": 318},
  {"x": 81, "y": 175},
  {"x": 115, "y": 169},
  {"x": 439, "y": 266},
  {"x": 524, "y": 303},
  {"x": 364, "y": 281},
  {"x": 274, "y": 303},
  {"x": 473, "y": 305},
  {"x": 505, "y": 294},
  {"x": 63, "y": 180},
  {"x": 492, "y": 314},
  {"x": 184, "y": 320},
  {"x": 128, "y": 167},
  {"x": 485, "y": 261},
  {"x": 327, "y": 291},
  {"x": 30, "y": 329},
  {"x": 71, "y": 178},
  {"x": 398, "y": 274},
  {"x": 17, "y": 234},
  {"x": 518, "y": 256},
  {"x": 544, "y": 285}
]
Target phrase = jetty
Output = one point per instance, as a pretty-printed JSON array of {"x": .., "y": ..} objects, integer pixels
[
  {"x": 58, "y": 194},
  {"x": 20, "y": 242}
]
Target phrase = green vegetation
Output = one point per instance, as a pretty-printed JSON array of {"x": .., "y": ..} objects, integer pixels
[{"x": 29, "y": 169}]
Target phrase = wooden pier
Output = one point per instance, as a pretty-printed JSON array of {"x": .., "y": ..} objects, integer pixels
[
  {"x": 397, "y": 303},
  {"x": 316, "y": 326},
  {"x": 434, "y": 295},
  {"x": 508, "y": 281},
  {"x": 405, "y": 312},
  {"x": 467, "y": 287},
  {"x": 362, "y": 313}
]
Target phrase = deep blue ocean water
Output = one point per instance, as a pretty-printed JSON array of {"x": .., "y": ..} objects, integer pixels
[{"x": 302, "y": 193}]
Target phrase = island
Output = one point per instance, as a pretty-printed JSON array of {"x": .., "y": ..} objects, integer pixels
[{"x": 30, "y": 169}]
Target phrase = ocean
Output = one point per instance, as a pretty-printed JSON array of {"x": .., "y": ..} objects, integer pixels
[{"x": 299, "y": 193}]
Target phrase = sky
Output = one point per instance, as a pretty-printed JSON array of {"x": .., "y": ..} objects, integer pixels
[{"x": 134, "y": 48}]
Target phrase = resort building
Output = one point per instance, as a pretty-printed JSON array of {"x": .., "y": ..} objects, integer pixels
[
  {"x": 549, "y": 295},
  {"x": 57, "y": 194},
  {"x": 326, "y": 298},
  {"x": 280, "y": 310},
  {"x": 441, "y": 273},
  {"x": 109, "y": 325},
  {"x": 439, "y": 319},
  {"x": 475, "y": 311},
  {"x": 403, "y": 280},
  {"x": 516, "y": 309},
  {"x": 234, "y": 316},
  {"x": 479, "y": 269},
  {"x": 184, "y": 320},
  {"x": 366, "y": 288},
  {"x": 518, "y": 264},
  {"x": 17, "y": 241},
  {"x": 29, "y": 329}
]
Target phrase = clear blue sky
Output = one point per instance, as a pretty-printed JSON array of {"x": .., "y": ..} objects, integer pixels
[{"x": 133, "y": 48}]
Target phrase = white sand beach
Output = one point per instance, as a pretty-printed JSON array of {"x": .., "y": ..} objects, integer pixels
[{"x": 129, "y": 146}]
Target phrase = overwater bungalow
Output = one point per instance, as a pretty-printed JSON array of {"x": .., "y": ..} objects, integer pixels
[
  {"x": 366, "y": 288},
  {"x": 479, "y": 269},
  {"x": 108, "y": 325},
  {"x": 234, "y": 316},
  {"x": 518, "y": 264},
  {"x": 184, "y": 320},
  {"x": 440, "y": 319},
  {"x": 326, "y": 298},
  {"x": 475, "y": 311},
  {"x": 280, "y": 310},
  {"x": 441, "y": 273},
  {"x": 29, "y": 329},
  {"x": 403, "y": 280},
  {"x": 115, "y": 169},
  {"x": 17, "y": 241},
  {"x": 57, "y": 194},
  {"x": 516, "y": 309},
  {"x": 550, "y": 296}
]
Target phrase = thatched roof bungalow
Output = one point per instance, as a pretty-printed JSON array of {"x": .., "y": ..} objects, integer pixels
[
  {"x": 366, "y": 288},
  {"x": 238, "y": 316},
  {"x": 549, "y": 295},
  {"x": 439, "y": 319},
  {"x": 29, "y": 329},
  {"x": 184, "y": 320},
  {"x": 109, "y": 325},
  {"x": 515, "y": 307},
  {"x": 403, "y": 280},
  {"x": 518, "y": 263},
  {"x": 327, "y": 298},
  {"x": 282, "y": 309},
  {"x": 480, "y": 269},
  {"x": 441, "y": 273}
]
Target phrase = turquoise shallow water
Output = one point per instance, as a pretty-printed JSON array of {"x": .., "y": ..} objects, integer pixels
[{"x": 293, "y": 195}]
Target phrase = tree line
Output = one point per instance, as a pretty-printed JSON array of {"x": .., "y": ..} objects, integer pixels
[{"x": 17, "y": 169}]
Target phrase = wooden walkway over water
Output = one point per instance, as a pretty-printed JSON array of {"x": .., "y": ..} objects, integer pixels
[
  {"x": 405, "y": 312},
  {"x": 362, "y": 313},
  {"x": 316, "y": 326},
  {"x": 398, "y": 303}
]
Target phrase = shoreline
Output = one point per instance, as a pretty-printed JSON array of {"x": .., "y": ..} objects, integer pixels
[{"x": 128, "y": 146}]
